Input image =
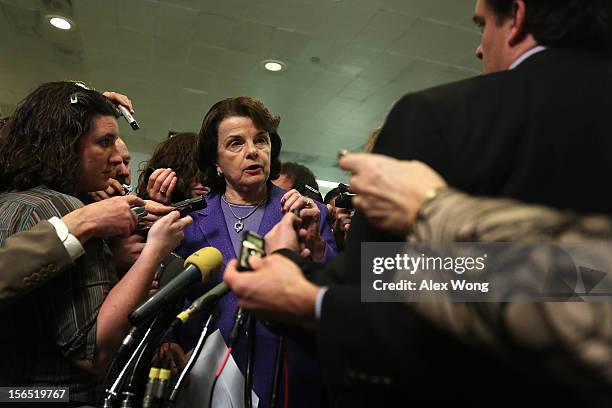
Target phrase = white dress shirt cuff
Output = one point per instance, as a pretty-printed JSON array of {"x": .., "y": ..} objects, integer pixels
[
  {"x": 319, "y": 303},
  {"x": 72, "y": 245}
]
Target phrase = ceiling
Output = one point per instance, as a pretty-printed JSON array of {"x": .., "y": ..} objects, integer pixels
[{"x": 347, "y": 61}]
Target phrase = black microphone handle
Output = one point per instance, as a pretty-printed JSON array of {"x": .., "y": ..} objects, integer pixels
[
  {"x": 164, "y": 379},
  {"x": 277, "y": 369},
  {"x": 166, "y": 295},
  {"x": 192, "y": 360},
  {"x": 239, "y": 319},
  {"x": 151, "y": 386},
  {"x": 113, "y": 392},
  {"x": 127, "y": 342},
  {"x": 203, "y": 303},
  {"x": 141, "y": 365},
  {"x": 210, "y": 298}
]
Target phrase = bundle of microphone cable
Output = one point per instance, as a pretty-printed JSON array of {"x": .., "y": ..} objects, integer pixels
[{"x": 151, "y": 323}]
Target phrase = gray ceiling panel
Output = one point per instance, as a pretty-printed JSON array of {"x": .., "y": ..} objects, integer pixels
[{"x": 347, "y": 61}]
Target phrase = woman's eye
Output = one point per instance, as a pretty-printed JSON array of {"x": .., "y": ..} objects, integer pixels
[{"x": 235, "y": 145}]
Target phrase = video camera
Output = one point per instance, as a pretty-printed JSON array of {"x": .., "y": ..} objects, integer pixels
[{"x": 344, "y": 199}]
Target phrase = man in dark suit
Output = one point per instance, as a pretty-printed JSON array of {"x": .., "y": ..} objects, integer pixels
[
  {"x": 537, "y": 128},
  {"x": 539, "y": 131}
]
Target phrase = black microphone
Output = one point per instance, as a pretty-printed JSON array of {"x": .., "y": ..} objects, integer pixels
[
  {"x": 199, "y": 267},
  {"x": 203, "y": 302},
  {"x": 152, "y": 383},
  {"x": 239, "y": 319},
  {"x": 164, "y": 379}
]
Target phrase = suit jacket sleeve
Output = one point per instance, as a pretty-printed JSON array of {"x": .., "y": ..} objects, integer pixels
[
  {"x": 368, "y": 342},
  {"x": 361, "y": 342},
  {"x": 375, "y": 343},
  {"x": 454, "y": 216},
  {"x": 30, "y": 259}
]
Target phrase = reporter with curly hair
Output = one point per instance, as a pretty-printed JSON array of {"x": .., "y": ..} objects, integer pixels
[{"x": 58, "y": 145}]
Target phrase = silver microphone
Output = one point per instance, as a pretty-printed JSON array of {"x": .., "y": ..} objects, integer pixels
[{"x": 128, "y": 116}]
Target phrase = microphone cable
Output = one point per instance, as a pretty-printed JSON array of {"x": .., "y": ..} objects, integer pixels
[
  {"x": 248, "y": 381},
  {"x": 234, "y": 335},
  {"x": 277, "y": 368},
  {"x": 129, "y": 387},
  {"x": 113, "y": 391},
  {"x": 127, "y": 342},
  {"x": 286, "y": 369},
  {"x": 167, "y": 270},
  {"x": 192, "y": 360},
  {"x": 218, "y": 374},
  {"x": 137, "y": 376}
]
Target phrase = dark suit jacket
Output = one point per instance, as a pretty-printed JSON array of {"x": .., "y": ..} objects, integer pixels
[
  {"x": 540, "y": 133},
  {"x": 29, "y": 259}
]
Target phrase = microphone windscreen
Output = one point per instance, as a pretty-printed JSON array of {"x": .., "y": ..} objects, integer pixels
[{"x": 207, "y": 260}]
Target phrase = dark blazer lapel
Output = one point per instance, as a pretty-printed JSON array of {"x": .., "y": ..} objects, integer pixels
[{"x": 272, "y": 211}]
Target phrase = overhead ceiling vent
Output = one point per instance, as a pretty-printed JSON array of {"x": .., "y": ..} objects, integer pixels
[
  {"x": 68, "y": 55},
  {"x": 61, "y": 7},
  {"x": 66, "y": 44},
  {"x": 22, "y": 19},
  {"x": 26, "y": 18},
  {"x": 291, "y": 156}
]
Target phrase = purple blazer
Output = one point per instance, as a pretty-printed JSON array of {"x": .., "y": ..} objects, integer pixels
[{"x": 209, "y": 229}]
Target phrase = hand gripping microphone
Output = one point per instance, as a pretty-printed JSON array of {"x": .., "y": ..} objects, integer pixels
[
  {"x": 199, "y": 267},
  {"x": 128, "y": 117}
]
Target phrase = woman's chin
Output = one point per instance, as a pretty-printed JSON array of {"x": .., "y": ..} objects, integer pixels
[
  {"x": 253, "y": 180},
  {"x": 249, "y": 186},
  {"x": 89, "y": 186},
  {"x": 198, "y": 192}
]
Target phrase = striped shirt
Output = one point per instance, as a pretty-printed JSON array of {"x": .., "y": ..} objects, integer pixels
[{"x": 44, "y": 332}]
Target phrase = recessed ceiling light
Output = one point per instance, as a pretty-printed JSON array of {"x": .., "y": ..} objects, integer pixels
[
  {"x": 60, "y": 22},
  {"x": 273, "y": 65}
]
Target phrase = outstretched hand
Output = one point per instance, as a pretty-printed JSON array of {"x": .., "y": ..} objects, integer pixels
[
  {"x": 275, "y": 290},
  {"x": 390, "y": 192}
]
